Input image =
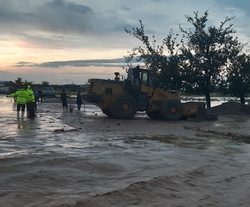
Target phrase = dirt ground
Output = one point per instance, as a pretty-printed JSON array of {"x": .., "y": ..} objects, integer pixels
[
  {"x": 231, "y": 108},
  {"x": 233, "y": 121}
]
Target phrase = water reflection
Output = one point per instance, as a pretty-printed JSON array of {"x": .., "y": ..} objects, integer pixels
[
  {"x": 20, "y": 124},
  {"x": 28, "y": 125}
]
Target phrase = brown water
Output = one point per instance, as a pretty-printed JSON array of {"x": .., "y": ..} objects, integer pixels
[{"x": 40, "y": 167}]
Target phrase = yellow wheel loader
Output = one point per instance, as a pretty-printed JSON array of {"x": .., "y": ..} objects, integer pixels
[{"x": 122, "y": 99}]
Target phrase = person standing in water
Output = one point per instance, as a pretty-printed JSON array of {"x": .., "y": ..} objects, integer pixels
[
  {"x": 79, "y": 100},
  {"x": 21, "y": 97},
  {"x": 30, "y": 103},
  {"x": 64, "y": 97},
  {"x": 40, "y": 95}
]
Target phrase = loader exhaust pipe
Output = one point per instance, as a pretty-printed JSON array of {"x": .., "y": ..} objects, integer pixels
[{"x": 117, "y": 76}]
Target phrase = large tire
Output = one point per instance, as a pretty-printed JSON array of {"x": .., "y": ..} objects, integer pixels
[
  {"x": 171, "y": 110},
  {"x": 153, "y": 115},
  {"x": 124, "y": 107},
  {"x": 108, "y": 113}
]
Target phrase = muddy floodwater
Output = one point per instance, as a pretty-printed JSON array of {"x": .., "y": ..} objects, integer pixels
[{"x": 85, "y": 159}]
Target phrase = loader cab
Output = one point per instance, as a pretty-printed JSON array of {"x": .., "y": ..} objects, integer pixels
[
  {"x": 140, "y": 79},
  {"x": 139, "y": 85}
]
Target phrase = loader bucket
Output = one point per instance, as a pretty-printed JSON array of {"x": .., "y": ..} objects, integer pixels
[{"x": 195, "y": 110}]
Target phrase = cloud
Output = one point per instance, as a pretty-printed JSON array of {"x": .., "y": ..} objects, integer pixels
[
  {"x": 59, "y": 24},
  {"x": 23, "y": 63},
  {"x": 65, "y": 28},
  {"x": 60, "y": 36},
  {"x": 118, "y": 62},
  {"x": 54, "y": 16}
]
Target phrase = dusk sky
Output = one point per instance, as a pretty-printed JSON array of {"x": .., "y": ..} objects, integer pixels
[{"x": 69, "y": 41}]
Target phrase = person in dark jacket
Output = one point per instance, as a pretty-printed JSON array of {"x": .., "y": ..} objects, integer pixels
[
  {"x": 36, "y": 98},
  {"x": 79, "y": 100},
  {"x": 40, "y": 95},
  {"x": 64, "y": 98}
]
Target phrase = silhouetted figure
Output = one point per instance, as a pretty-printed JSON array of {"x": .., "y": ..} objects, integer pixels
[
  {"x": 64, "y": 97},
  {"x": 40, "y": 95},
  {"x": 36, "y": 98},
  {"x": 79, "y": 100}
]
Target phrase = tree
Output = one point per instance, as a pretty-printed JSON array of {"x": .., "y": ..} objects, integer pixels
[
  {"x": 18, "y": 83},
  {"x": 238, "y": 76},
  {"x": 28, "y": 83},
  {"x": 206, "y": 52},
  {"x": 164, "y": 68},
  {"x": 45, "y": 83}
]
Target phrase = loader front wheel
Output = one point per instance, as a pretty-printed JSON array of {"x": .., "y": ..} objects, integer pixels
[
  {"x": 171, "y": 110},
  {"x": 124, "y": 107}
]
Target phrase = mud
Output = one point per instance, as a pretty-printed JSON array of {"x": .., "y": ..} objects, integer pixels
[{"x": 85, "y": 159}]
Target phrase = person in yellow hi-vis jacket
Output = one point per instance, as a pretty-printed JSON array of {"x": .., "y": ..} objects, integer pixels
[
  {"x": 21, "y": 97},
  {"x": 30, "y": 103}
]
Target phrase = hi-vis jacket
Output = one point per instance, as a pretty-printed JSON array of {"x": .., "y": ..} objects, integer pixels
[
  {"x": 31, "y": 96},
  {"x": 21, "y": 96}
]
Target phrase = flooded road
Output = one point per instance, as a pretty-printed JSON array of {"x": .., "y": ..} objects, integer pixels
[{"x": 45, "y": 162}]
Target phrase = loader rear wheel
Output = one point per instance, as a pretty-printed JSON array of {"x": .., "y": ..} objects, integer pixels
[
  {"x": 108, "y": 113},
  {"x": 171, "y": 110},
  {"x": 124, "y": 107}
]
